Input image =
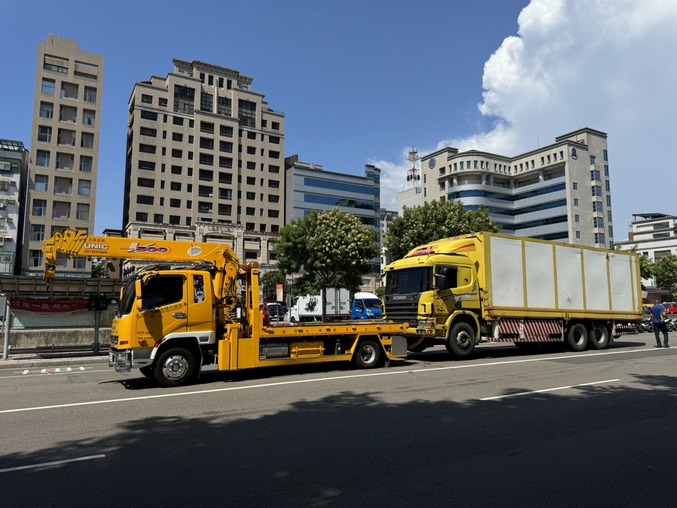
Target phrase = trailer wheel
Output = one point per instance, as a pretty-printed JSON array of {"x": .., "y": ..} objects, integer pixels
[
  {"x": 175, "y": 367},
  {"x": 599, "y": 336},
  {"x": 368, "y": 354},
  {"x": 577, "y": 338},
  {"x": 461, "y": 341}
]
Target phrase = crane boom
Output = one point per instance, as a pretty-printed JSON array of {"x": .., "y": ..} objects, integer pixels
[{"x": 79, "y": 244}]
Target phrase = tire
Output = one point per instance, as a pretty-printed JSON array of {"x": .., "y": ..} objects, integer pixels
[
  {"x": 600, "y": 337},
  {"x": 461, "y": 341},
  {"x": 577, "y": 337},
  {"x": 175, "y": 367},
  {"x": 148, "y": 371},
  {"x": 417, "y": 346},
  {"x": 368, "y": 354}
]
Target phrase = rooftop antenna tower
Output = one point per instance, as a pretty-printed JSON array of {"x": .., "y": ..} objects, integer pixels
[{"x": 414, "y": 171}]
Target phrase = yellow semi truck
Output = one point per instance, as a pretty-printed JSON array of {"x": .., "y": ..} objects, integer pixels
[
  {"x": 195, "y": 305},
  {"x": 491, "y": 287}
]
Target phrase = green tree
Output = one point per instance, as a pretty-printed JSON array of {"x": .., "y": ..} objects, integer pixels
[
  {"x": 99, "y": 268},
  {"x": 439, "y": 219},
  {"x": 665, "y": 271},
  {"x": 329, "y": 249},
  {"x": 269, "y": 282}
]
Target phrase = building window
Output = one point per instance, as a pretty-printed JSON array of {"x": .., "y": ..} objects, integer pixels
[
  {"x": 87, "y": 140},
  {"x": 82, "y": 211},
  {"x": 48, "y": 87},
  {"x": 276, "y": 126},
  {"x": 61, "y": 210},
  {"x": 606, "y": 170},
  {"x": 84, "y": 188},
  {"x": 600, "y": 238},
  {"x": 605, "y": 155},
  {"x": 79, "y": 263},
  {"x": 575, "y": 201},
  {"x": 176, "y": 153},
  {"x": 144, "y": 200},
  {"x": 175, "y": 203},
  {"x": 46, "y": 110},
  {"x": 37, "y": 232},
  {"x": 577, "y": 219},
  {"x": 41, "y": 183},
  {"x": 575, "y": 185},
  {"x": 578, "y": 235},
  {"x": 184, "y": 99},
  {"x": 175, "y": 186},
  {"x": 598, "y": 222},
  {"x": 146, "y": 182},
  {"x": 142, "y": 216},
  {"x": 592, "y": 159},
  {"x": 88, "y": 117},
  {"x": 251, "y": 210},
  {"x": 63, "y": 185},
  {"x": 35, "y": 258},
  {"x": 42, "y": 158},
  {"x": 206, "y": 101},
  {"x": 226, "y": 131},
  {"x": 158, "y": 218},
  {"x": 44, "y": 134},
  {"x": 149, "y": 115},
  {"x": 148, "y": 99},
  {"x": 90, "y": 94}
]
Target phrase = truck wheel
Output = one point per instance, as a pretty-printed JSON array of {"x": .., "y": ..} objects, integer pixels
[
  {"x": 417, "y": 346},
  {"x": 368, "y": 354},
  {"x": 175, "y": 367},
  {"x": 461, "y": 341},
  {"x": 599, "y": 336},
  {"x": 577, "y": 338}
]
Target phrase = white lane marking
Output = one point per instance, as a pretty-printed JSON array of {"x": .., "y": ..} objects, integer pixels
[
  {"x": 53, "y": 463},
  {"x": 27, "y": 372},
  {"x": 335, "y": 378},
  {"x": 545, "y": 390}
]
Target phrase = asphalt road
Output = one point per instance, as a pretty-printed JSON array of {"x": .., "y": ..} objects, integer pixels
[{"x": 502, "y": 429}]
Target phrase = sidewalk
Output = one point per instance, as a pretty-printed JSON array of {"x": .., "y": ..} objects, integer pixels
[{"x": 49, "y": 359}]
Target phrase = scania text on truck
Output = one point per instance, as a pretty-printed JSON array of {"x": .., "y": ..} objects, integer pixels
[
  {"x": 491, "y": 287},
  {"x": 196, "y": 306}
]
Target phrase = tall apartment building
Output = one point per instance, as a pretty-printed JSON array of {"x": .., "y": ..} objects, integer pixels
[
  {"x": 310, "y": 188},
  {"x": 64, "y": 150},
  {"x": 558, "y": 192},
  {"x": 205, "y": 160},
  {"x": 13, "y": 177}
]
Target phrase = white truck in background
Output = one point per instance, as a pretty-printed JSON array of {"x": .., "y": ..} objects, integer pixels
[{"x": 309, "y": 307}]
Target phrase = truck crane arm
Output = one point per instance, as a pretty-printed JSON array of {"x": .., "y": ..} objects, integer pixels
[{"x": 78, "y": 244}]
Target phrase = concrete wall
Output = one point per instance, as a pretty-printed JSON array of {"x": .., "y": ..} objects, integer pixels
[{"x": 60, "y": 338}]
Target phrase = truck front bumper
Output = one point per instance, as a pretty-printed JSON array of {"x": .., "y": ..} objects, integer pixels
[{"x": 127, "y": 359}]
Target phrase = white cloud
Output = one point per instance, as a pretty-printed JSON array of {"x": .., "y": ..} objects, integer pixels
[{"x": 604, "y": 64}]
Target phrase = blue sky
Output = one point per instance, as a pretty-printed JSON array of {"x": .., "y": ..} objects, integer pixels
[{"x": 361, "y": 82}]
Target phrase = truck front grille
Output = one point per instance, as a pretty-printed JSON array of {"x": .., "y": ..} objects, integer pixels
[{"x": 401, "y": 308}]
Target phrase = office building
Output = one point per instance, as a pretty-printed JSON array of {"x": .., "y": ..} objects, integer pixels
[
  {"x": 13, "y": 177},
  {"x": 310, "y": 188},
  {"x": 653, "y": 235},
  {"x": 205, "y": 160},
  {"x": 64, "y": 150},
  {"x": 558, "y": 192}
]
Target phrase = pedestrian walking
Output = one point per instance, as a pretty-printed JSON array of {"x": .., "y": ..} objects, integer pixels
[{"x": 658, "y": 320}]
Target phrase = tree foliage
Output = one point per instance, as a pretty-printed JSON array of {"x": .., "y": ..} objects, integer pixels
[
  {"x": 665, "y": 271},
  {"x": 433, "y": 221},
  {"x": 269, "y": 282},
  {"x": 329, "y": 249}
]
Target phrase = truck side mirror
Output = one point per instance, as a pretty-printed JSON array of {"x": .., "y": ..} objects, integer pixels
[
  {"x": 138, "y": 304},
  {"x": 442, "y": 278}
]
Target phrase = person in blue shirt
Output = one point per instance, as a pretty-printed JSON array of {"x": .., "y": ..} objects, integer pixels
[{"x": 658, "y": 316}]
